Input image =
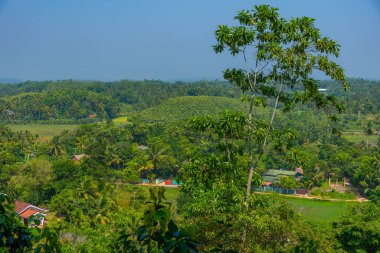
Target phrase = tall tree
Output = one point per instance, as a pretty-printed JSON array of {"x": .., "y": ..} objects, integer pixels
[
  {"x": 33, "y": 179},
  {"x": 280, "y": 58}
]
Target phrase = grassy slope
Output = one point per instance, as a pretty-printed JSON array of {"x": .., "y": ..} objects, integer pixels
[
  {"x": 353, "y": 130},
  {"x": 45, "y": 132},
  {"x": 182, "y": 108},
  {"x": 359, "y": 136},
  {"x": 120, "y": 120}
]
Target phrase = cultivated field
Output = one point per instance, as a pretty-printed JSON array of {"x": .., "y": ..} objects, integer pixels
[{"x": 45, "y": 132}]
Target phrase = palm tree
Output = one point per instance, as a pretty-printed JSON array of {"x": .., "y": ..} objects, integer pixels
[
  {"x": 102, "y": 206},
  {"x": 113, "y": 156},
  {"x": 369, "y": 130},
  {"x": 158, "y": 152},
  {"x": 56, "y": 148},
  {"x": 87, "y": 189},
  {"x": 82, "y": 143}
]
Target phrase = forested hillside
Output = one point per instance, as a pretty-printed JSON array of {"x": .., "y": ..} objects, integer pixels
[
  {"x": 184, "y": 108},
  {"x": 70, "y": 101}
]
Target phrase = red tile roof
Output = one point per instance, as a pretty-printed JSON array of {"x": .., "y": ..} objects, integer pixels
[
  {"x": 20, "y": 206},
  {"x": 28, "y": 213}
]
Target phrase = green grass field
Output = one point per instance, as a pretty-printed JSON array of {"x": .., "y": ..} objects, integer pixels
[
  {"x": 319, "y": 211},
  {"x": 358, "y": 137},
  {"x": 45, "y": 132},
  {"x": 353, "y": 129},
  {"x": 120, "y": 120}
]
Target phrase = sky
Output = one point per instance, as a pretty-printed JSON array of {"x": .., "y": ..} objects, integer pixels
[{"x": 168, "y": 39}]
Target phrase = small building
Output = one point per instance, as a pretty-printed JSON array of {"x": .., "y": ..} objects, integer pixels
[
  {"x": 142, "y": 147},
  {"x": 267, "y": 183},
  {"x": 272, "y": 175},
  {"x": 299, "y": 173},
  {"x": 27, "y": 211},
  {"x": 92, "y": 116},
  {"x": 79, "y": 157}
]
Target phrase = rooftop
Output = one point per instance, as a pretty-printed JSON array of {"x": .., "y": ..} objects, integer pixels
[
  {"x": 78, "y": 157},
  {"x": 23, "y": 207},
  {"x": 20, "y": 206},
  {"x": 276, "y": 173},
  {"x": 28, "y": 213}
]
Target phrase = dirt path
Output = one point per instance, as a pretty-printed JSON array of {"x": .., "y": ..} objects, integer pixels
[
  {"x": 150, "y": 185},
  {"x": 318, "y": 198},
  {"x": 159, "y": 185}
]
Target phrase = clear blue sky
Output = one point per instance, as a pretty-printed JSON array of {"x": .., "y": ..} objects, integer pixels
[{"x": 166, "y": 39}]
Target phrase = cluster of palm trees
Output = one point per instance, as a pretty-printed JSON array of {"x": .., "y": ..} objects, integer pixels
[{"x": 89, "y": 201}]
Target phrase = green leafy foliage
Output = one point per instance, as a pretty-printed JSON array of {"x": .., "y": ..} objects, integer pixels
[
  {"x": 285, "y": 55},
  {"x": 158, "y": 232},
  {"x": 14, "y": 236},
  {"x": 360, "y": 230},
  {"x": 184, "y": 108},
  {"x": 90, "y": 201}
]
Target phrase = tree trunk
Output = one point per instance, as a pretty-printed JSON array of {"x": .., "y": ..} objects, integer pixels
[
  {"x": 227, "y": 149},
  {"x": 250, "y": 149},
  {"x": 251, "y": 166}
]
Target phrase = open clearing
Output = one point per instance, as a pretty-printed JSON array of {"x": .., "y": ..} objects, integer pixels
[
  {"x": 120, "y": 120},
  {"x": 45, "y": 132},
  {"x": 358, "y": 137},
  {"x": 319, "y": 211}
]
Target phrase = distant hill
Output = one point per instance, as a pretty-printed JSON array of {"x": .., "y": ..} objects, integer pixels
[
  {"x": 73, "y": 100},
  {"x": 186, "y": 107}
]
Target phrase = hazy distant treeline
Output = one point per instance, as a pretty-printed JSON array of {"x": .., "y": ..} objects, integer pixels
[{"x": 75, "y": 100}]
